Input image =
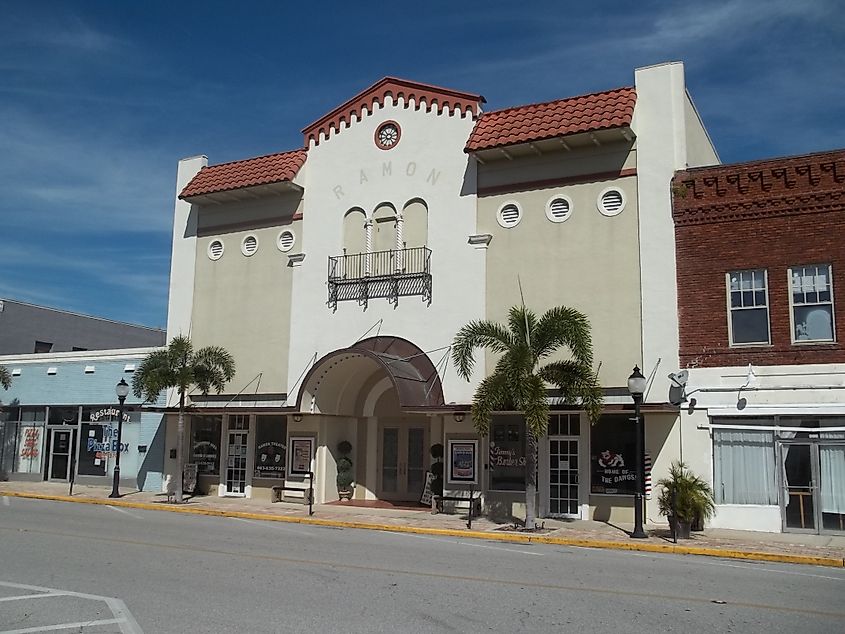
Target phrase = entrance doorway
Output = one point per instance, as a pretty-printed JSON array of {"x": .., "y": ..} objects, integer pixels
[
  {"x": 813, "y": 485},
  {"x": 61, "y": 446},
  {"x": 563, "y": 476},
  {"x": 402, "y": 449},
  {"x": 236, "y": 455}
]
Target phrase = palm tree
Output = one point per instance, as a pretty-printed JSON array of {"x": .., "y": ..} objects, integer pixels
[
  {"x": 518, "y": 382},
  {"x": 5, "y": 378},
  {"x": 179, "y": 366}
]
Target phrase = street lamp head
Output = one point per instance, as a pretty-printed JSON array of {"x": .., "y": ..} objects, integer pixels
[
  {"x": 636, "y": 383},
  {"x": 122, "y": 389}
]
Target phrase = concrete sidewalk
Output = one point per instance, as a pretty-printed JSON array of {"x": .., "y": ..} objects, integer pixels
[{"x": 827, "y": 550}]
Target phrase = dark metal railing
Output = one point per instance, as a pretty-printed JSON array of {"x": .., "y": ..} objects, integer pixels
[{"x": 390, "y": 274}]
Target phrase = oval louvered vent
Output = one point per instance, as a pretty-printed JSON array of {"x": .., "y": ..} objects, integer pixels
[
  {"x": 286, "y": 240},
  {"x": 611, "y": 202},
  {"x": 215, "y": 250},
  {"x": 249, "y": 245},
  {"x": 509, "y": 215},
  {"x": 558, "y": 209}
]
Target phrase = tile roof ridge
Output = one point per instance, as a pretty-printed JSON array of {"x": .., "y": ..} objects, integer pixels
[
  {"x": 253, "y": 158},
  {"x": 551, "y": 101},
  {"x": 762, "y": 161}
]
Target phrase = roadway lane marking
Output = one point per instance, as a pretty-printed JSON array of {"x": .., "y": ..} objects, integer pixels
[
  {"x": 34, "y": 596},
  {"x": 124, "y": 618},
  {"x": 755, "y": 568},
  {"x": 459, "y": 543},
  {"x": 285, "y": 529},
  {"x": 64, "y": 626},
  {"x": 601, "y": 590},
  {"x": 124, "y": 511}
]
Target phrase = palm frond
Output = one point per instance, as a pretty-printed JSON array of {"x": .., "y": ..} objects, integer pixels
[
  {"x": 535, "y": 406},
  {"x": 213, "y": 367},
  {"x": 522, "y": 323},
  {"x": 491, "y": 395},
  {"x": 153, "y": 375},
  {"x": 563, "y": 326},
  {"x": 5, "y": 378},
  {"x": 577, "y": 383},
  {"x": 478, "y": 334}
]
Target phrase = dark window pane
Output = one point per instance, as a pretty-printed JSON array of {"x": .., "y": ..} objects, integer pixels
[
  {"x": 574, "y": 426},
  {"x": 750, "y": 326}
]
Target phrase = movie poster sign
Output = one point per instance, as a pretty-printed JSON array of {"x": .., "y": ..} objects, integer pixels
[
  {"x": 463, "y": 462},
  {"x": 301, "y": 452},
  {"x": 613, "y": 461},
  {"x": 270, "y": 447}
]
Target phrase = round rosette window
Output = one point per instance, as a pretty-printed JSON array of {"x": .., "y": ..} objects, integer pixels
[{"x": 387, "y": 135}]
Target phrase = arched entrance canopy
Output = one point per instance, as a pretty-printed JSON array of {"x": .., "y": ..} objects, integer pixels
[{"x": 351, "y": 380}]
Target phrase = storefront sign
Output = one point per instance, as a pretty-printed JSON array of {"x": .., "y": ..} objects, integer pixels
[
  {"x": 31, "y": 445},
  {"x": 612, "y": 475},
  {"x": 111, "y": 413},
  {"x": 301, "y": 451},
  {"x": 270, "y": 447},
  {"x": 463, "y": 462},
  {"x": 425, "y": 498},
  {"x": 205, "y": 455},
  {"x": 106, "y": 446}
]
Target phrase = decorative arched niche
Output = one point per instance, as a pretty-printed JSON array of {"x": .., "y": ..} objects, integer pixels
[
  {"x": 354, "y": 231},
  {"x": 415, "y": 223},
  {"x": 384, "y": 227}
]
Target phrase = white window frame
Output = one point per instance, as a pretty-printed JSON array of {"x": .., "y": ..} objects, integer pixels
[
  {"x": 730, "y": 310},
  {"x": 792, "y": 305}
]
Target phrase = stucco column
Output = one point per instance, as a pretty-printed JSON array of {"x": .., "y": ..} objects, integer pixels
[
  {"x": 400, "y": 254},
  {"x": 368, "y": 229}
]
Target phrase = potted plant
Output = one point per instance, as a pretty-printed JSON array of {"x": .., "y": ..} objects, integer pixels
[
  {"x": 684, "y": 498},
  {"x": 345, "y": 474}
]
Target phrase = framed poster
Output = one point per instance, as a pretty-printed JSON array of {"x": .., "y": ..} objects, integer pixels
[
  {"x": 463, "y": 462},
  {"x": 301, "y": 451}
]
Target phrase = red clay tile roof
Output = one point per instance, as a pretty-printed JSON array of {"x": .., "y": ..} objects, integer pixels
[
  {"x": 409, "y": 91},
  {"x": 262, "y": 170},
  {"x": 535, "y": 122}
]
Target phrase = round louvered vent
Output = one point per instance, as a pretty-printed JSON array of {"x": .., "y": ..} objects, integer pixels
[
  {"x": 249, "y": 245},
  {"x": 215, "y": 250},
  {"x": 559, "y": 209},
  {"x": 611, "y": 201},
  {"x": 286, "y": 240},
  {"x": 509, "y": 215}
]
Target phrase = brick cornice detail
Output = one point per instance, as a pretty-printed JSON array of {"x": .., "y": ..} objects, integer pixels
[
  {"x": 788, "y": 186},
  {"x": 442, "y": 100}
]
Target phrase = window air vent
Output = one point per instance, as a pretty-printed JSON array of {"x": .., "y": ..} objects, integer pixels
[
  {"x": 286, "y": 240},
  {"x": 16, "y": 372},
  {"x": 215, "y": 250},
  {"x": 52, "y": 371},
  {"x": 559, "y": 209},
  {"x": 509, "y": 215},
  {"x": 89, "y": 369},
  {"x": 249, "y": 246},
  {"x": 611, "y": 201}
]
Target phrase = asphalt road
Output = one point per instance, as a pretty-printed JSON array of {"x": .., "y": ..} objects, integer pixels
[{"x": 127, "y": 570}]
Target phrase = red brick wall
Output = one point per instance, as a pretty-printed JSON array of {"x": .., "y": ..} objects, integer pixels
[{"x": 770, "y": 215}]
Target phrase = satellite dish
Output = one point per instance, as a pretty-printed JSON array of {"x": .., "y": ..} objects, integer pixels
[{"x": 679, "y": 378}]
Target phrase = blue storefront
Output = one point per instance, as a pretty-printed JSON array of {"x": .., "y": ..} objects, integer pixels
[{"x": 59, "y": 420}]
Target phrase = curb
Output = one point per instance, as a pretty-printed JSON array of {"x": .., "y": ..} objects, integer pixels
[{"x": 811, "y": 560}]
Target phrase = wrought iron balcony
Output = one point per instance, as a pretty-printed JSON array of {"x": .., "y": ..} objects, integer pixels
[{"x": 391, "y": 274}]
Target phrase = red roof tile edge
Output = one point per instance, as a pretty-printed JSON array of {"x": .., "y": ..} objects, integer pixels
[
  {"x": 433, "y": 96},
  {"x": 474, "y": 144},
  {"x": 216, "y": 178}
]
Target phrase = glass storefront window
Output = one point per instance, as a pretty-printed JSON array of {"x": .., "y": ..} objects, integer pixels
[
  {"x": 205, "y": 443},
  {"x": 613, "y": 457},
  {"x": 507, "y": 453},
  {"x": 270, "y": 448},
  {"x": 64, "y": 415}
]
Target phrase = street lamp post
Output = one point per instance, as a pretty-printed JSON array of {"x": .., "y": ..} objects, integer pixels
[
  {"x": 636, "y": 386},
  {"x": 122, "y": 391}
]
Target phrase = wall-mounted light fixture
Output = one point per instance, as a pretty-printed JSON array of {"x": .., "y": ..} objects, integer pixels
[
  {"x": 297, "y": 418},
  {"x": 459, "y": 417}
]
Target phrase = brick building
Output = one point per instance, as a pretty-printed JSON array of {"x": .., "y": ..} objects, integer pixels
[{"x": 760, "y": 261}]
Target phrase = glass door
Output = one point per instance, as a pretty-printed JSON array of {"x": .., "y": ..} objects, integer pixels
[
  {"x": 403, "y": 451},
  {"x": 60, "y": 448},
  {"x": 563, "y": 477},
  {"x": 236, "y": 455},
  {"x": 832, "y": 485},
  {"x": 799, "y": 487}
]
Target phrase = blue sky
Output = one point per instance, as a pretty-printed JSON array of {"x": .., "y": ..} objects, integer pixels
[{"x": 100, "y": 99}]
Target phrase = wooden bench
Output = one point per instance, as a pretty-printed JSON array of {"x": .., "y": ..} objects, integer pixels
[{"x": 277, "y": 493}]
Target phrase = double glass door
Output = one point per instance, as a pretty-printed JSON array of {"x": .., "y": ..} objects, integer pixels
[
  {"x": 813, "y": 485},
  {"x": 403, "y": 449}
]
